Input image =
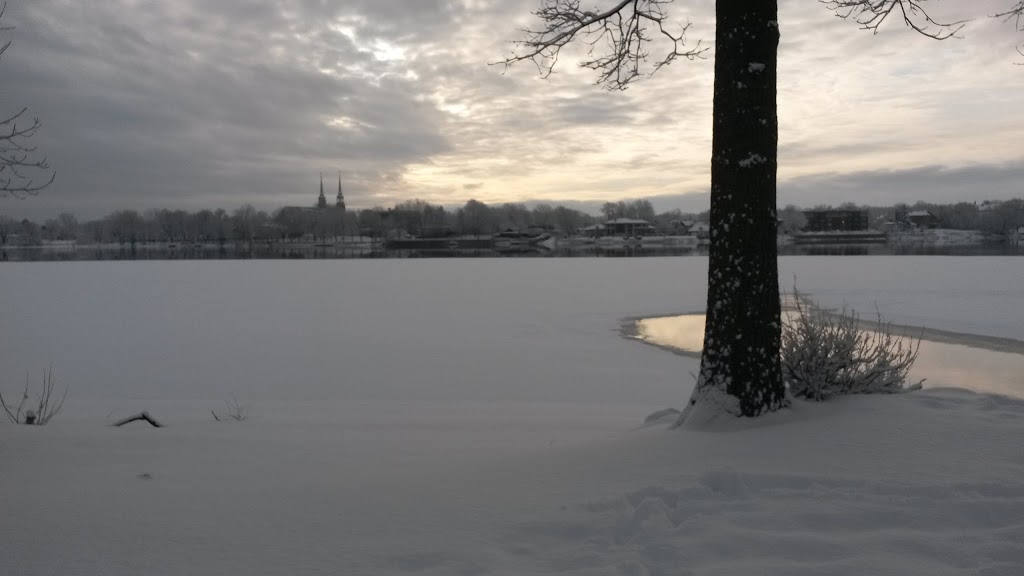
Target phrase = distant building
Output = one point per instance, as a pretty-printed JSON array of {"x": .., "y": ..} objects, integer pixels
[
  {"x": 701, "y": 230},
  {"x": 835, "y": 220},
  {"x": 923, "y": 219},
  {"x": 681, "y": 226},
  {"x": 294, "y": 222},
  {"x": 888, "y": 226},
  {"x": 339, "y": 202},
  {"x": 321, "y": 202},
  {"x": 628, "y": 227}
]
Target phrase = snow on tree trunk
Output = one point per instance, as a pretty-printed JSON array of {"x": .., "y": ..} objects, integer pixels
[{"x": 740, "y": 372}]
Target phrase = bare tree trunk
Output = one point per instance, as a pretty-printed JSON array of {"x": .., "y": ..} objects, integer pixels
[{"x": 740, "y": 364}]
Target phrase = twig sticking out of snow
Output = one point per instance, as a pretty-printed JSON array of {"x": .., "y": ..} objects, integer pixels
[
  {"x": 47, "y": 407},
  {"x": 236, "y": 411}
]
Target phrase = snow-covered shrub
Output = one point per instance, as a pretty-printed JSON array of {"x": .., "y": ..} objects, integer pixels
[
  {"x": 46, "y": 405},
  {"x": 828, "y": 353}
]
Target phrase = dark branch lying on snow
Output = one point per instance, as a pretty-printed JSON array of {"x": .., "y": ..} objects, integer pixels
[{"x": 140, "y": 416}]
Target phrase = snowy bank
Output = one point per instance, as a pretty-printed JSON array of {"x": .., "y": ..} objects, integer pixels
[{"x": 926, "y": 483}]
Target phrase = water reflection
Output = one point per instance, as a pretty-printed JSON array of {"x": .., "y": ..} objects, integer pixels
[
  {"x": 342, "y": 250},
  {"x": 684, "y": 333},
  {"x": 941, "y": 364}
]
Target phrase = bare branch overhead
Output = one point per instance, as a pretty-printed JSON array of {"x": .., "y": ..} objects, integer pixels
[
  {"x": 1015, "y": 13},
  {"x": 870, "y": 14},
  {"x": 617, "y": 39},
  {"x": 21, "y": 172}
]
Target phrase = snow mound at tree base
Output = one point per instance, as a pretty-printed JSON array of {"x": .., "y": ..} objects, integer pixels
[{"x": 665, "y": 416}]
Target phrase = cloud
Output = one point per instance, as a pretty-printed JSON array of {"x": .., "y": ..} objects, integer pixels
[
  {"x": 147, "y": 108},
  {"x": 937, "y": 184},
  {"x": 197, "y": 104},
  {"x": 933, "y": 184}
]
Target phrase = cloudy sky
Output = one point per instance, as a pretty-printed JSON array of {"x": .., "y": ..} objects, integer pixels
[{"x": 197, "y": 103}]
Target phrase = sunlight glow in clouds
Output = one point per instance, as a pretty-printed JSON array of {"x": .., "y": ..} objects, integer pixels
[{"x": 193, "y": 105}]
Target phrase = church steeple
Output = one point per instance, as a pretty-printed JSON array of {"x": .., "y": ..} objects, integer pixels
[
  {"x": 321, "y": 202},
  {"x": 340, "y": 203}
]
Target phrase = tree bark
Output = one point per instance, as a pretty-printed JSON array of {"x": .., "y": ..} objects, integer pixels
[{"x": 740, "y": 369}]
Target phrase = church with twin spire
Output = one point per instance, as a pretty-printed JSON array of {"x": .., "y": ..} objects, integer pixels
[
  {"x": 320, "y": 219},
  {"x": 321, "y": 201}
]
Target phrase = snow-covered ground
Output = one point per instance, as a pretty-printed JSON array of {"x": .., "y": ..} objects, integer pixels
[{"x": 480, "y": 417}]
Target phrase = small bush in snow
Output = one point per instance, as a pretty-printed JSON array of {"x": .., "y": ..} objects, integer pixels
[
  {"x": 235, "y": 411},
  {"x": 826, "y": 354},
  {"x": 43, "y": 408}
]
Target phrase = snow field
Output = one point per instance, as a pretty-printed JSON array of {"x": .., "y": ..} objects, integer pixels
[{"x": 480, "y": 417}]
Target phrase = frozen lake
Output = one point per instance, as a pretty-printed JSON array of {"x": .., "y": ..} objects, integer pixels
[
  {"x": 342, "y": 333},
  {"x": 332, "y": 335},
  {"x": 479, "y": 417}
]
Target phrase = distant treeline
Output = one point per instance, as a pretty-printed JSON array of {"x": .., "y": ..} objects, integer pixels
[
  {"x": 297, "y": 224},
  {"x": 989, "y": 216},
  {"x": 419, "y": 218}
]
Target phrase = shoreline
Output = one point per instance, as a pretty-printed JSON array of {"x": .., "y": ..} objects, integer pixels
[{"x": 630, "y": 329}]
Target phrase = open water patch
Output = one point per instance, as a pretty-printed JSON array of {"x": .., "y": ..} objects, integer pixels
[{"x": 945, "y": 359}]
